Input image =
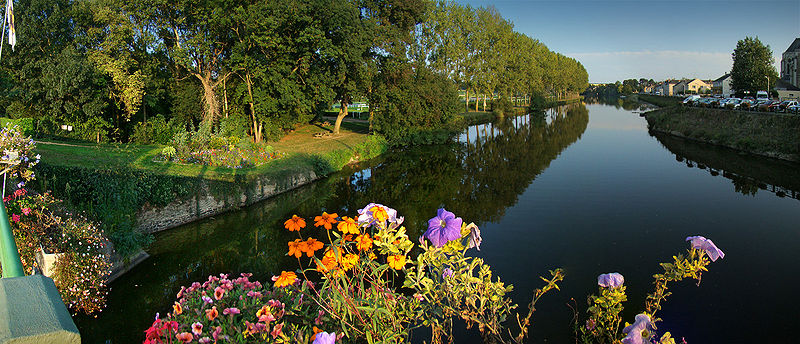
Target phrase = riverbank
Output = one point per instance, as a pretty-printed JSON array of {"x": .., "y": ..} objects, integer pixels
[{"x": 766, "y": 134}]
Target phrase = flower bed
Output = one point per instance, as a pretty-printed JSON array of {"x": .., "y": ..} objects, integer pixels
[{"x": 358, "y": 283}]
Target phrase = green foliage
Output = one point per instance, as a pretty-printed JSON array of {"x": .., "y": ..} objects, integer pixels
[
  {"x": 156, "y": 130},
  {"x": 414, "y": 103},
  {"x": 752, "y": 65},
  {"x": 113, "y": 196}
]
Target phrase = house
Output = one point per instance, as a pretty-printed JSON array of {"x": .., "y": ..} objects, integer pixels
[
  {"x": 666, "y": 87},
  {"x": 787, "y": 91},
  {"x": 790, "y": 64},
  {"x": 723, "y": 86},
  {"x": 680, "y": 87}
]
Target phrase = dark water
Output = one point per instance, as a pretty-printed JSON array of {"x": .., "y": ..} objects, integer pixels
[{"x": 583, "y": 187}]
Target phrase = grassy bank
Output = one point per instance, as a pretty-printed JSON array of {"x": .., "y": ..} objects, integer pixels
[
  {"x": 767, "y": 134},
  {"x": 111, "y": 183},
  {"x": 660, "y": 101}
]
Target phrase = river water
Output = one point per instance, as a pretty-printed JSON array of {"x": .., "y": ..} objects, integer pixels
[{"x": 584, "y": 187}]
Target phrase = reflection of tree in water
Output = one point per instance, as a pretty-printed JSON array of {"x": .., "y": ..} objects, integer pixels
[
  {"x": 748, "y": 173},
  {"x": 627, "y": 103},
  {"x": 477, "y": 178}
]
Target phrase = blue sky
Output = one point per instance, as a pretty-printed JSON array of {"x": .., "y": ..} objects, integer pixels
[{"x": 618, "y": 40}]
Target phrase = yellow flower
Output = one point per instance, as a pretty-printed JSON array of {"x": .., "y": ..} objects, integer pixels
[
  {"x": 348, "y": 225},
  {"x": 379, "y": 213},
  {"x": 396, "y": 261},
  {"x": 349, "y": 261},
  {"x": 363, "y": 242},
  {"x": 329, "y": 261},
  {"x": 325, "y": 220},
  {"x": 295, "y": 223},
  {"x": 286, "y": 278},
  {"x": 177, "y": 308}
]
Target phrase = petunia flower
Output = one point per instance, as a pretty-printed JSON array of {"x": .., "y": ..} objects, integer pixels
[
  {"x": 448, "y": 272},
  {"x": 184, "y": 337},
  {"x": 443, "y": 228},
  {"x": 277, "y": 330},
  {"x": 231, "y": 311},
  {"x": 325, "y": 338},
  {"x": 475, "y": 239},
  {"x": 701, "y": 243},
  {"x": 177, "y": 308},
  {"x": 207, "y": 299},
  {"x": 197, "y": 328},
  {"x": 634, "y": 331},
  {"x": 295, "y": 223},
  {"x": 212, "y": 313},
  {"x": 219, "y": 293},
  {"x": 610, "y": 280}
]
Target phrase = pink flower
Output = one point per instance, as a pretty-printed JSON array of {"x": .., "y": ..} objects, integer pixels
[
  {"x": 26, "y": 211},
  {"x": 197, "y": 328},
  {"x": 231, "y": 311},
  {"x": 277, "y": 330},
  {"x": 15, "y": 217}
]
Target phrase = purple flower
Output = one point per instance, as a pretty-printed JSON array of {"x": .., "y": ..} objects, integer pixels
[
  {"x": 611, "y": 280},
  {"x": 474, "y": 236},
  {"x": 231, "y": 311},
  {"x": 207, "y": 299},
  {"x": 448, "y": 272},
  {"x": 325, "y": 338},
  {"x": 443, "y": 228},
  {"x": 634, "y": 331},
  {"x": 701, "y": 243}
]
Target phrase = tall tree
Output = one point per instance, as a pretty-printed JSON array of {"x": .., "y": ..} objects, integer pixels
[{"x": 752, "y": 66}]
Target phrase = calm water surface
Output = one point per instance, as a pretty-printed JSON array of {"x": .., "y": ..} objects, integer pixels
[{"x": 583, "y": 187}]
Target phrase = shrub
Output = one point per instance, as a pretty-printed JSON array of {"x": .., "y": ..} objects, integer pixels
[{"x": 156, "y": 130}]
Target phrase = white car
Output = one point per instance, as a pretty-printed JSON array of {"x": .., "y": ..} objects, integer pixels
[
  {"x": 691, "y": 99},
  {"x": 762, "y": 95}
]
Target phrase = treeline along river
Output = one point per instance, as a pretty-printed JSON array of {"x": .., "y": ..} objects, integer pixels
[{"x": 584, "y": 187}]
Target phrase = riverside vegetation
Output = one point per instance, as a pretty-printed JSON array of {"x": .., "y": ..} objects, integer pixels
[{"x": 364, "y": 280}]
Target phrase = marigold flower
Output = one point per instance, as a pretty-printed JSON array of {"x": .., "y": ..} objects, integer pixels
[
  {"x": 297, "y": 247},
  {"x": 212, "y": 313},
  {"x": 295, "y": 223},
  {"x": 349, "y": 261},
  {"x": 363, "y": 242},
  {"x": 184, "y": 337},
  {"x": 396, "y": 261},
  {"x": 326, "y": 220},
  {"x": 177, "y": 308},
  {"x": 286, "y": 278},
  {"x": 329, "y": 261},
  {"x": 348, "y": 226},
  {"x": 379, "y": 213},
  {"x": 312, "y": 245},
  {"x": 316, "y": 330}
]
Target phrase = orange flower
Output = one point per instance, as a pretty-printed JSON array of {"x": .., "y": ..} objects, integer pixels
[
  {"x": 349, "y": 261},
  {"x": 328, "y": 262},
  {"x": 297, "y": 247},
  {"x": 348, "y": 237},
  {"x": 379, "y": 213},
  {"x": 348, "y": 225},
  {"x": 212, "y": 313},
  {"x": 397, "y": 261},
  {"x": 295, "y": 223},
  {"x": 325, "y": 220},
  {"x": 177, "y": 308},
  {"x": 316, "y": 330},
  {"x": 363, "y": 242},
  {"x": 312, "y": 245},
  {"x": 286, "y": 278}
]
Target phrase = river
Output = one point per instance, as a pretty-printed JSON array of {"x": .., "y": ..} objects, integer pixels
[{"x": 584, "y": 187}]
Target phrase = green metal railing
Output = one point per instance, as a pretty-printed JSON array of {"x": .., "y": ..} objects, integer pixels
[{"x": 9, "y": 255}]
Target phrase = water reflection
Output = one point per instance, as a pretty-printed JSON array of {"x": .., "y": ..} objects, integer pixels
[
  {"x": 477, "y": 177},
  {"x": 748, "y": 173}
]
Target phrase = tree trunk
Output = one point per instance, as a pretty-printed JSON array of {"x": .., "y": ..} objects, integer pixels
[
  {"x": 225, "y": 97},
  {"x": 209, "y": 97},
  {"x": 342, "y": 115},
  {"x": 466, "y": 102},
  {"x": 257, "y": 127},
  {"x": 484, "y": 102},
  {"x": 476, "y": 101}
]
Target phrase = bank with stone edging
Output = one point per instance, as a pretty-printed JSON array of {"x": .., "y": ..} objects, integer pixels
[{"x": 767, "y": 134}]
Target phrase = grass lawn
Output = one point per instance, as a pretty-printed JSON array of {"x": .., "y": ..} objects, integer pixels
[{"x": 296, "y": 145}]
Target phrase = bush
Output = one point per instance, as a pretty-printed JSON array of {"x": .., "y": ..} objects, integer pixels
[
  {"x": 156, "y": 131},
  {"x": 502, "y": 106}
]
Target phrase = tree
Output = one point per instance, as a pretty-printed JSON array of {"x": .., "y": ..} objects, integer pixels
[{"x": 752, "y": 65}]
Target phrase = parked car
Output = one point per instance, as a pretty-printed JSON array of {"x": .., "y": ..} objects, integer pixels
[
  {"x": 704, "y": 102},
  {"x": 786, "y": 104},
  {"x": 762, "y": 95},
  {"x": 745, "y": 104},
  {"x": 774, "y": 106},
  {"x": 795, "y": 109},
  {"x": 691, "y": 99}
]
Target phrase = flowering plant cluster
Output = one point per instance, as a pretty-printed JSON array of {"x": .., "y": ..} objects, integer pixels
[
  {"x": 226, "y": 154},
  {"x": 368, "y": 287},
  {"x": 18, "y": 159},
  {"x": 604, "y": 320},
  {"x": 82, "y": 265}
]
